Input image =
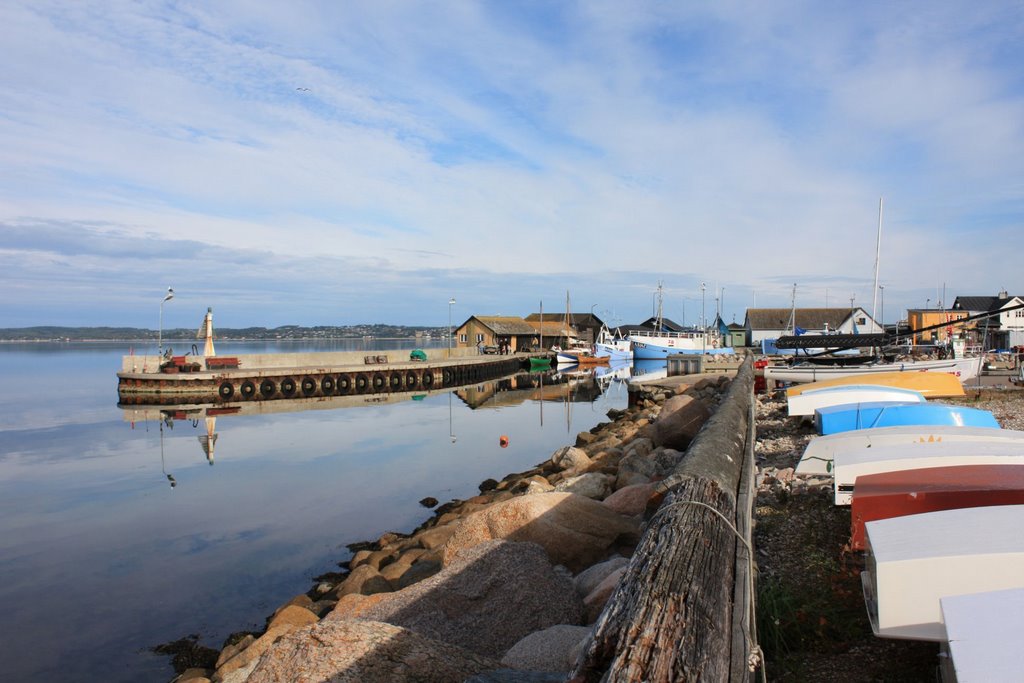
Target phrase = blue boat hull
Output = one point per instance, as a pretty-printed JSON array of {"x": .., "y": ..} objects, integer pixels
[
  {"x": 645, "y": 351},
  {"x": 844, "y": 418}
]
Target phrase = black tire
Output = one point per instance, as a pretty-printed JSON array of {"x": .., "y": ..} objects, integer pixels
[
  {"x": 327, "y": 385},
  {"x": 267, "y": 388},
  {"x": 362, "y": 383},
  {"x": 379, "y": 381},
  {"x": 226, "y": 390},
  {"x": 248, "y": 389},
  {"x": 395, "y": 381},
  {"x": 288, "y": 387},
  {"x": 308, "y": 386},
  {"x": 446, "y": 377},
  {"x": 411, "y": 380},
  {"x": 428, "y": 378},
  {"x": 344, "y": 384}
]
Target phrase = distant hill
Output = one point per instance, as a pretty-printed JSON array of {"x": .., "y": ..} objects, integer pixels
[{"x": 54, "y": 333}]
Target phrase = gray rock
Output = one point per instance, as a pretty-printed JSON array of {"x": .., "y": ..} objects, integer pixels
[
  {"x": 589, "y": 579},
  {"x": 359, "y": 651},
  {"x": 486, "y": 600},
  {"x": 570, "y": 459},
  {"x": 553, "y": 649},
  {"x": 592, "y": 485}
]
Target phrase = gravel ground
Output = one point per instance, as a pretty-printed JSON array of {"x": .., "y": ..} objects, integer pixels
[{"x": 812, "y": 623}]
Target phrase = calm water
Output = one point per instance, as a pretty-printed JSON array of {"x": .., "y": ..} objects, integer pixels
[{"x": 101, "y": 558}]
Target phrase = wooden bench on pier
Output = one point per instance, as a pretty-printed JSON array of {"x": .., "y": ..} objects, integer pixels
[{"x": 221, "y": 363}]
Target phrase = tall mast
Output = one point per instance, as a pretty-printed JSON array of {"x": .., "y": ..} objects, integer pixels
[{"x": 878, "y": 251}]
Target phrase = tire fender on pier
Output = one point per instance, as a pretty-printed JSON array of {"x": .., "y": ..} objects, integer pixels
[
  {"x": 226, "y": 390},
  {"x": 288, "y": 387},
  {"x": 327, "y": 385},
  {"x": 379, "y": 381},
  {"x": 308, "y": 386},
  {"x": 428, "y": 378},
  {"x": 248, "y": 389},
  {"x": 267, "y": 388}
]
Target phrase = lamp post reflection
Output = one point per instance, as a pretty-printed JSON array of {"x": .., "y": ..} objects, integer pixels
[
  {"x": 160, "y": 333},
  {"x": 451, "y": 302},
  {"x": 163, "y": 468},
  {"x": 451, "y": 426}
]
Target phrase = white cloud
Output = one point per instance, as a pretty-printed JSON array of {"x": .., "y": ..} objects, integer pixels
[{"x": 740, "y": 142}]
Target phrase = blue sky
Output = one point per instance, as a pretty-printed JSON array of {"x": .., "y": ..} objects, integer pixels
[{"x": 339, "y": 163}]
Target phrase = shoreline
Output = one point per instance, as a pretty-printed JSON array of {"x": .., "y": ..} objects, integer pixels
[{"x": 610, "y": 470}]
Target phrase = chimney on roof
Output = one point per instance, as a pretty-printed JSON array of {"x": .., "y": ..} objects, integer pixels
[{"x": 1003, "y": 295}]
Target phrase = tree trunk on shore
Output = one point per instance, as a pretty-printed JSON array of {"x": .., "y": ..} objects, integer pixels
[{"x": 671, "y": 617}]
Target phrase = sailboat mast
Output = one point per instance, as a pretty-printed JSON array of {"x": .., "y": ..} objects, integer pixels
[{"x": 878, "y": 252}]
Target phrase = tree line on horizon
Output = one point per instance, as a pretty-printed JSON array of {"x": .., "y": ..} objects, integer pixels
[{"x": 60, "y": 333}]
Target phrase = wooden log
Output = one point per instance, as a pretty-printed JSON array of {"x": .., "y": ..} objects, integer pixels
[{"x": 670, "y": 619}]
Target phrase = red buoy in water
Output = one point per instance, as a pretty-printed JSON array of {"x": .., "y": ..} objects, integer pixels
[{"x": 503, "y": 441}]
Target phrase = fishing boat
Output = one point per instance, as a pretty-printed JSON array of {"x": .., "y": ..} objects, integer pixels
[
  {"x": 911, "y": 492},
  {"x": 914, "y": 562},
  {"x": 612, "y": 346},
  {"x": 821, "y": 451},
  {"x": 843, "y": 418},
  {"x": 963, "y": 368},
  {"x": 807, "y": 402},
  {"x": 928, "y": 384},
  {"x": 982, "y": 636},
  {"x": 849, "y": 467}
]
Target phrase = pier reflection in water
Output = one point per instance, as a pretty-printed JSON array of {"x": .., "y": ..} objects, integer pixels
[{"x": 117, "y": 533}]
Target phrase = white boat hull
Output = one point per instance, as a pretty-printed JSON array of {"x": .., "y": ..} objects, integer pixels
[
  {"x": 964, "y": 368},
  {"x": 848, "y": 466},
  {"x": 807, "y": 402},
  {"x": 820, "y": 453},
  {"x": 913, "y": 562}
]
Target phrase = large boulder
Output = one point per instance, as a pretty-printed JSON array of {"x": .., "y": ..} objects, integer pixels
[
  {"x": 679, "y": 421},
  {"x": 553, "y": 649},
  {"x": 485, "y": 600},
  {"x": 574, "y": 530},
  {"x": 589, "y": 579},
  {"x": 630, "y": 500},
  {"x": 359, "y": 651}
]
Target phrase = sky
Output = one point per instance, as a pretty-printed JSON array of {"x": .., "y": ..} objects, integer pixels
[{"x": 336, "y": 163}]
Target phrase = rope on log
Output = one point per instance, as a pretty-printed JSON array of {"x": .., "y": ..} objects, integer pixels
[{"x": 671, "y": 617}]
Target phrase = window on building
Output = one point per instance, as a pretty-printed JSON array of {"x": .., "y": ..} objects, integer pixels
[
  {"x": 479, "y": 338},
  {"x": 462, "y": 338},
  {"x": 862, "y": 321}
]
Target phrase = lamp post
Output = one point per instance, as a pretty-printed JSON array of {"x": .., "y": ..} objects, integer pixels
[
  {"x": 703, "y": 325},
  {"x": 881, "y": 312},
  {"x": 451, "y": 302},
  {"x": 160, "y": 333}
]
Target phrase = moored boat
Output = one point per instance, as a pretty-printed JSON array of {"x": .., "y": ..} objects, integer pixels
[
  {"x": 982, "y": 636},
  {"x": 821, "y": 451},
  {"x": 913, "y": 562},
  {"x": 911, "y": 492},
  {"x": 928, "y": 384},
  {"x": 841, "y": 418}
]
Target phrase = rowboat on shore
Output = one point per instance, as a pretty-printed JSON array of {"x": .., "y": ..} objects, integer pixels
[
  {"x": 928, "y": 384},
  {"x": 963, "y": 368},
  {"x": 842, "y": 418},
  {"x": 914, "y": 562},
  {"x": 929, "y": 489},
  {"x": 821, "y": 451},
  {"x": 849, "y": 467},
  {"x": 982, "y": 636},
  {"x": 807, "y": 402}
]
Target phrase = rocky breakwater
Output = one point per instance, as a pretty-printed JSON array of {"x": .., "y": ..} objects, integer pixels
[{"x": 503, "y": 586}]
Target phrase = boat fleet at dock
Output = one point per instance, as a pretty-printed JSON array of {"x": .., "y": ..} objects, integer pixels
[{"x": 936, "y": 493}]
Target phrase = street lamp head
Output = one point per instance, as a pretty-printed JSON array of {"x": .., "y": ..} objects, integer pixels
[
  {"x": 451, "y": 301},
  {"x": 170, "y": 294}
]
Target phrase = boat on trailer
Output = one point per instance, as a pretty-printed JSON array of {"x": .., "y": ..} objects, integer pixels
[
  {"x": 841, "y": 418},
  {"x": 849, "y": 467},
  {"x": 914, "y": 562},
  {"x": 963, "y": 368},
  {"x": 929, "y": 489},
  {"x": 928, "y": 384},
  {"x": 807, "y": 402},
  {"x": 821, "y": 451}
]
